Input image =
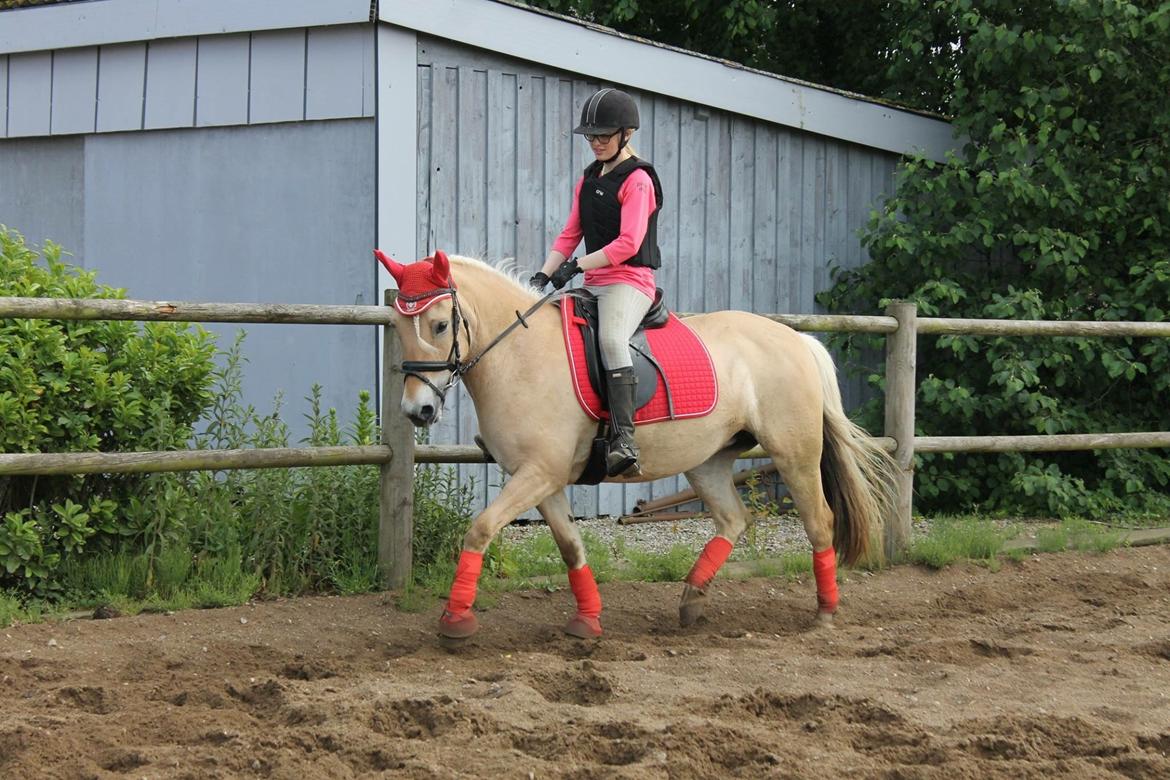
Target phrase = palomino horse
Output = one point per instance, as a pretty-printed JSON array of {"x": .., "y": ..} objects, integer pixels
[{"x": 457, "y": 318}]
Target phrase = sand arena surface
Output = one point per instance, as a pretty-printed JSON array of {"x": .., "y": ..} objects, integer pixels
[{"x": 1056, "y": 666}]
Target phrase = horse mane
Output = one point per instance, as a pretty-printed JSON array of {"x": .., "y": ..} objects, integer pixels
[{"x": 506, "y": 269}]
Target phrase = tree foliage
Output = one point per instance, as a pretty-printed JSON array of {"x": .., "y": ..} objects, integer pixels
[
  {"x": 1058, "y": 208},
  {"x": 838, "y": 43}
]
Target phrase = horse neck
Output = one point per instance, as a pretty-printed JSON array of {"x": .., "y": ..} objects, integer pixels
[{"x": 491, "y": 304}]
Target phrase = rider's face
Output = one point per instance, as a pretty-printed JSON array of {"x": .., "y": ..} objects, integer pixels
[{"x": 604, "y": 146}]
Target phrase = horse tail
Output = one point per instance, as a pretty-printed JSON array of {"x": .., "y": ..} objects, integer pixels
[{"x": 857, "y": 475}]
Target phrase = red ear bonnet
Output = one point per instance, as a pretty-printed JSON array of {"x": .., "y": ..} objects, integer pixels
[{"x": 420, "y": 284}]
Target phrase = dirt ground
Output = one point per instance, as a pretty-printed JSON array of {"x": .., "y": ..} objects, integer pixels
[{"x": 1056, "y": 666}]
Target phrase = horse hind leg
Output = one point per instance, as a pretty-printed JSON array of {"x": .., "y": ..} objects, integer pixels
[
  {"x": 802, "y": 475},
  {"x": 714, "y": 484},
  {"x": 586, "y": 624}
]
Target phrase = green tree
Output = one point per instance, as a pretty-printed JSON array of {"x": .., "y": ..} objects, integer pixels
[
  {"x": 1057, "y": 208},
  {"x": 845, "y": 44}
]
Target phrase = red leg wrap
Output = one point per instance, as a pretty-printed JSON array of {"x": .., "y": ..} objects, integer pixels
[
  {"x": 585, "y": 590},
  {"x": 825, "y": 570},
  {"x": 466, "y": 577},
  {"x": 712, "y": 558}
]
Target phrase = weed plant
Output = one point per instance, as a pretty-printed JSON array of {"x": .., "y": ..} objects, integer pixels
[
  {"x": 1078, "y": 534},
  {"x": 952, "y": 539}
]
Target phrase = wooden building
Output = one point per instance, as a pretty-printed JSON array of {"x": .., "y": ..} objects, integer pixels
[{"x": 256, "y": 150}]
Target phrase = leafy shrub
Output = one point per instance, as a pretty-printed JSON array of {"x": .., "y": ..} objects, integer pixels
[
  {"x": 1055, "y": 209},
  {"x": 83, "y": 386},
  {"x": 197, "y": 537}
]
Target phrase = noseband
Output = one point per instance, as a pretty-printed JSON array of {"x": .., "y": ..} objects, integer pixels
[{"x": 454, "y": 362}]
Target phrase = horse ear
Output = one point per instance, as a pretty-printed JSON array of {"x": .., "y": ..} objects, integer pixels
[
  {"x": 442, "y": 269},
  {"x": 395, "y": 268}
]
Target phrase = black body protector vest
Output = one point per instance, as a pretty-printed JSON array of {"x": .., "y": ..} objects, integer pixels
[{"x": 601, "y": 213}]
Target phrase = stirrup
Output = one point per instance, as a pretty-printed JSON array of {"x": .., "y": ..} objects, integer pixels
[{"x": 620, "y": 460}]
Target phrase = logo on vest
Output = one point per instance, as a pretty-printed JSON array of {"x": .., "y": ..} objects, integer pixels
[{"x": 599, "y": 192}]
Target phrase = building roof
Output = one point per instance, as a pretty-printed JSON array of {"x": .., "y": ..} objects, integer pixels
[{"x": 512, "y": 29}]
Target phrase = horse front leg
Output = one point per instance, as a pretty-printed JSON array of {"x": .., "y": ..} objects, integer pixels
[
  {"x": 524, "y": 490},
  {"x": 586, "y": 624}
]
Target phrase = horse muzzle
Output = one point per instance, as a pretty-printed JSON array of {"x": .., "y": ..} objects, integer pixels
[{"x": 423, "y": 416}]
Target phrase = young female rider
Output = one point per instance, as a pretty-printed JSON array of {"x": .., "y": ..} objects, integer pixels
[{"x": 615, "y": 209}]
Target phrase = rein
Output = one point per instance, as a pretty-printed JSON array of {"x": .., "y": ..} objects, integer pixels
[{"x": 454, "y": 363}]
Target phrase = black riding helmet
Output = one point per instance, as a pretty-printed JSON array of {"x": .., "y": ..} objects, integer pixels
[{"x": 606, "y": 112}]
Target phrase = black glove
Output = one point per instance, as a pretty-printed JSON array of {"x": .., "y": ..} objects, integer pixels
[
  {"x": 539, "y": 280},
  {"x": 564, "y": 273}
]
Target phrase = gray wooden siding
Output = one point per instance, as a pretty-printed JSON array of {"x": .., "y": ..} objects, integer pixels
[
  {"x": 755, "y": 213},
  {"x": 272, "y": 213},
  {"x": 42, "y": 190},
  {"x": 4, "y": 95},
  {"x": 213, "y": 80}
]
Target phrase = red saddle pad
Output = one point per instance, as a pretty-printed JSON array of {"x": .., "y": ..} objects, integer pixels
[{"x": 684, "y": 360}]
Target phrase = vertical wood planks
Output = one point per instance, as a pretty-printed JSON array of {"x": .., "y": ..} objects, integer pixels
[
  {"x": 30, "y": 93},
  {"x": 334, "y": 72},
  {"x": 471, "y": 230},
  {"x": 74, "y": 93},
  {"x": 121, "y": 87},
  {"x": 221, "y": 82},
  {"x": 170, "y": 84},
  {"x": 3, "y": 95},
  {"x": 277, "y": 76}
]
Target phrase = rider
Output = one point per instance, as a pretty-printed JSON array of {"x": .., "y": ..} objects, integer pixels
[{"x": 615, "y": 209}]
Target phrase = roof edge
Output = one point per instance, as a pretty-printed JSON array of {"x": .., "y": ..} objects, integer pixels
[
  {"x": 577, "y": 46},
  {"x": 103, "y": 22}
]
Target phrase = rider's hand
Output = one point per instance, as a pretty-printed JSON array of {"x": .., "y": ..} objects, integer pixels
[
  {"x": 565, "y": 273},
  {"x": 539, "y": 280}
]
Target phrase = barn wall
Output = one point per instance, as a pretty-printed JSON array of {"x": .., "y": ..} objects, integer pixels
[
  {"x": 204, "y": 81},
  {"x": 755, "y": 214},
  {"x": 279, "y": 213}
]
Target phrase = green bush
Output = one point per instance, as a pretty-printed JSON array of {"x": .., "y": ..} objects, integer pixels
[
  {"x": 199, "y": 537},
  {"x": 83, "y": 386},
  {"x": 1055, "y": 209}
]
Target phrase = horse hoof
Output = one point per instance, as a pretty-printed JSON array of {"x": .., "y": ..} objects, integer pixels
[
  {"x": 457, "y": 625},
  {"x": 584, "y": 627},
  {"x": 451, "y": 644},
  {"x": 825, "y": 620},
  {"x": 692, "y": 606}
]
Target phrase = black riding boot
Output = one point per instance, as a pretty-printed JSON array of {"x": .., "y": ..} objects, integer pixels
[{"x": 622, "y": 457}]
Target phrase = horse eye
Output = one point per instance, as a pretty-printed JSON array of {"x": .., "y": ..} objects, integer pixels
[{"x": 441, "y": 328}]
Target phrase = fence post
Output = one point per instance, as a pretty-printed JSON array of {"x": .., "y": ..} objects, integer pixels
[
  {"x": 901, "y": 385},
  {"x": 396, "y": 481}
]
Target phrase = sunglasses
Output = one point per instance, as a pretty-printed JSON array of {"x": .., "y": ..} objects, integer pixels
[{"x": 601, "y": 138}]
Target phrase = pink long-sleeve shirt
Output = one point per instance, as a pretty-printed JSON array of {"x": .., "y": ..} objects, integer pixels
[{"x": 636, "y": 197}]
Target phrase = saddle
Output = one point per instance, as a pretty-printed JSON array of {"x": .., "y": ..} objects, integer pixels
[
  {"x": 583, "y": 314},
  {"x": 676, "y": 378}
]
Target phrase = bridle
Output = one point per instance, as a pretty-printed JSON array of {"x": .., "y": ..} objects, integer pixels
[{"x": 454, "y": 362}]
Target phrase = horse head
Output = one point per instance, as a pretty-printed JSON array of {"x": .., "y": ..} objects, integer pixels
[{"x": 427, "y": 320}]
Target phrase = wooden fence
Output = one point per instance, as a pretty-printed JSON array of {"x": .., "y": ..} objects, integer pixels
[{"x": 397, "y": 454}]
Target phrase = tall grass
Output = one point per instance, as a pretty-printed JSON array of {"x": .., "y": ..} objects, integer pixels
[
  {"x": 1078, "y": 534},
  {"x": 952, "y": 539}
]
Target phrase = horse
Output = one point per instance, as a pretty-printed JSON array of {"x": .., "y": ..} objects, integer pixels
[{"x": 776, "y": 387}]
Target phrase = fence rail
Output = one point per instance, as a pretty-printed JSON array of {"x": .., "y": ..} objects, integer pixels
[{"x": 397, "y": 453}]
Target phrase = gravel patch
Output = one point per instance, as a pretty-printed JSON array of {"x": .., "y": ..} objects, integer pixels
[{"x": 774, "y": 536}]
